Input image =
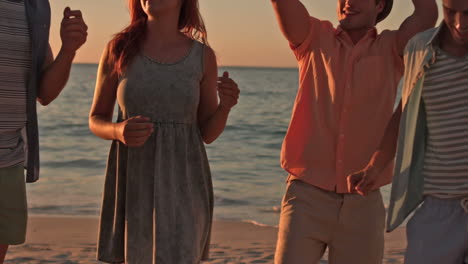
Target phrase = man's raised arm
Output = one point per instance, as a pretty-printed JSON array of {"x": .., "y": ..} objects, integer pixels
[
  {"x": 424, "y": 17},
  {"x": 293, "y": 19}
]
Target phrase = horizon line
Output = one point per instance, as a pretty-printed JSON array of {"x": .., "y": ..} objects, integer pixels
[{"x": 219, "y": 66}]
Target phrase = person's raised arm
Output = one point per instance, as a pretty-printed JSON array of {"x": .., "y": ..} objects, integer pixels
[
  {"x": 56, "y": 71},
  {"x": 293, "y": 19},
  {"x": 424, "y": 17},
  {"x": 212, "y": 116}
]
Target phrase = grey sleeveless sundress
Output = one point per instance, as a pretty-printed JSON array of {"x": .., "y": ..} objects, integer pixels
[{"x": 158, "y": 199}]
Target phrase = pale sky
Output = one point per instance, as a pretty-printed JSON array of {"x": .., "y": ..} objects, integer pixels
[{"x": 242, "y": 32}]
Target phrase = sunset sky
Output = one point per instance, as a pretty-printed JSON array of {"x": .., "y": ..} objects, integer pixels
[{"x": 242, "y": 32}]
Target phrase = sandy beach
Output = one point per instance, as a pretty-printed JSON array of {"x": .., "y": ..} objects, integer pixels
[{"x": 72, "y": 240}]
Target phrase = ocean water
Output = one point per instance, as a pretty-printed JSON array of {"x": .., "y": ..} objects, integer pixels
[{"x": 248, "y": 181}]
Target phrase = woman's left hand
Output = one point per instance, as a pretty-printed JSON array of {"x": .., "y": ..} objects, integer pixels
[{"x": 228, "y": 92}]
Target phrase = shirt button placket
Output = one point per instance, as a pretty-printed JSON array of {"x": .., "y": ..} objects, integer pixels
[{"x": 341, "y": 137}]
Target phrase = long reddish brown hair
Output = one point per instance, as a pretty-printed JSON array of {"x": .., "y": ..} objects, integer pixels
[{"x": 126, "y": 44}]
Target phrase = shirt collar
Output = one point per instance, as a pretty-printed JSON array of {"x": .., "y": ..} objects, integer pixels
[
  {"x": 371, "y": 33},
  {"x": 435, "y": 37}
]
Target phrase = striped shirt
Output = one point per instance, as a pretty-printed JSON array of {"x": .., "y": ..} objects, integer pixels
[
  {"x": 445, "y": 95},
  {"x": 15, "y": 64}
]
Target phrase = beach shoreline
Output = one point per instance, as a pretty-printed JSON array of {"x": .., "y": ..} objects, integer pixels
[{"x": 72, "y": 240}]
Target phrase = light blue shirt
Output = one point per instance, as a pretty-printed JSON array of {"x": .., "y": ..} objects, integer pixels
[{"x": 408, "y": 179}]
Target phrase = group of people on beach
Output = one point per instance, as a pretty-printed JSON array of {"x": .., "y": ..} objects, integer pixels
[{"x": 348, "y": 135}]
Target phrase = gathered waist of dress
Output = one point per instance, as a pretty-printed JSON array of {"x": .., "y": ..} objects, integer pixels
[{"x": 173, "y": 123}]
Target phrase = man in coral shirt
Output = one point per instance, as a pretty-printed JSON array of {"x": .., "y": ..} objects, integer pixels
[{"x": 348, "y": 84}]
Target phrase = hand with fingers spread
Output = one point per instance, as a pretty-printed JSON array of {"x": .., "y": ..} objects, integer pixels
[
  {"x": 362, "y": 182},
  {"x": 228, "y": 92},
  {"x": 73, "y": 30},
  {"x": 134, "y": 131}
]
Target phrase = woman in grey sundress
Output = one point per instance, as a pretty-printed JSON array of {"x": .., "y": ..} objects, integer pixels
[{"x": 158, "y": 197}]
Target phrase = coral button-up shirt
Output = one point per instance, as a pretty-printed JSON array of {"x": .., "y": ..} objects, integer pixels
[{"x": 345, "y": 100}]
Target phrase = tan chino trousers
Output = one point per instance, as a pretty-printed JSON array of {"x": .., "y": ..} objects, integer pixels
[{"x": 351, "y": 226}]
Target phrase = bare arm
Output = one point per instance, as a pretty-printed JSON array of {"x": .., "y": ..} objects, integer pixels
[
  {"x": 55, "y": 76},
  {"x": 212, "y": 117},
  {"x": 362, "y": 181},
  {"x": 388, "y": 145},
  {"x": 132, "y": 132},
  {"x": 293, "y": 19},
  {"x": 424, "y": 17},
  {"x": 100, "y": 116},
  {"x": 56, "y": 72}
]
